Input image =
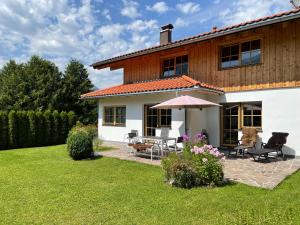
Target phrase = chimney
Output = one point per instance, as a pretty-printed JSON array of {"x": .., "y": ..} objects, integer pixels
[
  {"x": 166, "y": 34},
  {"x": 214, "y": 29}
]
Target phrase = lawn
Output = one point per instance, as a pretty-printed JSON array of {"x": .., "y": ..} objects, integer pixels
[{"x": 44, "y": 186}]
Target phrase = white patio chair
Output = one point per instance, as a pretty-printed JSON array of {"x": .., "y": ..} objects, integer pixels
[{"x": 164, "y": 134}]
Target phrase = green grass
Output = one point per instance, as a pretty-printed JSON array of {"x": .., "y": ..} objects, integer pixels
[{"x": 44, "y": 186}]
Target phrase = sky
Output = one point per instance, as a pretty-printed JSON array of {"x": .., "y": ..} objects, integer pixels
[{"x": 93, "y": 30}]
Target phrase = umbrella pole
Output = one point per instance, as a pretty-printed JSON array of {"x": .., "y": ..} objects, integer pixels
[{"x": 185, "y": 121}]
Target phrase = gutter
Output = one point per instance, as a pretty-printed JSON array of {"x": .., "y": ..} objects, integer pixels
[
  {"x": 199, "y": 39},
  {"x": 195, "y": 88}
]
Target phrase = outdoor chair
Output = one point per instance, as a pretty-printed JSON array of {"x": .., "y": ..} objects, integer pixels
[
  {"x": 132, "y": 136},
  {"x": 272, "y": 149},
  {"x": 175, "y": 147},
  {"x": 164, "y": 134},
  {"x": 132, "y": 139},
  {"x": 248, "y": 141}
]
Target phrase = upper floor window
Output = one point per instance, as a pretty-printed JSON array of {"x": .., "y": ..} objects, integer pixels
[
  {"x": 175, "y": 66},
  {"x": 246, "y": 53}
]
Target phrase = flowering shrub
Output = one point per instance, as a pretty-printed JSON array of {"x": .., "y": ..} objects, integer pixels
[
  {"x": 199, "y": 165},
  {"x": 198, "y": 140}
]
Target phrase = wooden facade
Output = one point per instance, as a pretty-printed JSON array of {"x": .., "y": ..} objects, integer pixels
[{"x": 279, "y": 67}]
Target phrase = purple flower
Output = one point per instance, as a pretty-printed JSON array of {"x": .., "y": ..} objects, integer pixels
[
  {"x": 186, "y": 137},
  {"x": 200, "y": 137}
]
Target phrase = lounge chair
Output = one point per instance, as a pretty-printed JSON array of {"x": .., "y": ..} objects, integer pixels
[{"x": 272, "y": 149}]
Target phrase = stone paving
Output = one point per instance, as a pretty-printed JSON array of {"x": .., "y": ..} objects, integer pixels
[{"x": 244, "y": 170}]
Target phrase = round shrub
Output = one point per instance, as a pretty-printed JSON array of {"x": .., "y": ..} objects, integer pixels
[
  {"x": 184, "y": 175},
  {"x": 79, "y": 145}
]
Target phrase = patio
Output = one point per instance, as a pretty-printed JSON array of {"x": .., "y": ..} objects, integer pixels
[{"x": 243, "y": 170}]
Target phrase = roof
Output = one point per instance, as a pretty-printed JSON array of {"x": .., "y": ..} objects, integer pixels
[
  {"x": 276, "y": 18},
  {"x": 171, "y": 84}
]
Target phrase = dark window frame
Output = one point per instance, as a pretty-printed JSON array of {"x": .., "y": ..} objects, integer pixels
[
  {"x": 175, "y": 66},
  {"x": 252, "y": 115},
  {"x": 240, "y": 54}
]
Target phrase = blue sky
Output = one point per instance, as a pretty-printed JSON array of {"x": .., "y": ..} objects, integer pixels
[{"x": 92, "y": 30}]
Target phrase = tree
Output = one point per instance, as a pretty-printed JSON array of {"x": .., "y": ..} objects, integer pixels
[
  {"x": 75, "y": 83},
  {"x": 30, "y": 86},
  {"x": 14, "y": 87},
  {"x": 38, "y": 85}
]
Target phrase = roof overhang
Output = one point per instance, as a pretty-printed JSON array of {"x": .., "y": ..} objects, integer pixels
[
  {"x": 191, "y": 89},
  {"x": 203, "y": 37}
]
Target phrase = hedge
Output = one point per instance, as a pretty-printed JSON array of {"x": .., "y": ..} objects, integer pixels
[{"x": 19, "y": 129}]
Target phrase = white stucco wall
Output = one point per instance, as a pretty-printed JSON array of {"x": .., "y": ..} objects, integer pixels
[
  {"x": 280, "y": 113},
  {"x": 135, "y": 115}
]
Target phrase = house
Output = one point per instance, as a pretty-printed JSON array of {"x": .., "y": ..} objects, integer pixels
[{"x": 252, "y": 69}]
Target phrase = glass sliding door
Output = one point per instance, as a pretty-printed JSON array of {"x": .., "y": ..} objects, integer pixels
[{"x": 230, "y": 120}]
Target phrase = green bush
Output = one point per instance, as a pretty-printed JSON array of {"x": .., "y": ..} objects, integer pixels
[
  {"x": 4, "y": 131},
  {"x": 56, "y": 126},
  {"x": 197, "y": 166},
  {"x": 41, "y": 134},
  {"x": 79, "y": 145},
  {"x": 64, "y": 127},
  {"x": 30, "y": 128},
  {"x": 208, "y": 168},
  {"x": 23, "y": 129},
  {"x": 32, "y": 135},
  {"x": 71, "y": 119},
  {"x": 179, "y": 171},
  {"x": 48, "y": 126},
  {"x": 90, "y": 129},
  {"x": 13, "y": 129}
]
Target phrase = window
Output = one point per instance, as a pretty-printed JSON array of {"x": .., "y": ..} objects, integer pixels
[
  {"x": 251, "y": 52},
  {"x": 230, "y": 56},
  {"x": 165, "y": 117},
  {"x": 246, "y": 53},
  {"x": 175, "y": 66},
  {"x": 114, "y": 115},
  {"x": 252, "y": 114},
  {"x": 168, "y": 68}
]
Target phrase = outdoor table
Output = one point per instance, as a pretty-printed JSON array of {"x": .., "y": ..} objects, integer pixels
[
  {"x": 241, "y": 149},
  {"x": 159, "y": 140}
]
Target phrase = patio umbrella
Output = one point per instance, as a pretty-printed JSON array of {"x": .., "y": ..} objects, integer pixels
[{"x": 184, "y": 102}]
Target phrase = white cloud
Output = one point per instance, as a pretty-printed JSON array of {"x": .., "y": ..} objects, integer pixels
[
  {"x": 159, "y": 7},
  {"x": 60, "y": 31},
  {"x": 106, "y": 14},
  {"x": 130, "y": 9},
  {"x": 180, "y": 23},
  {"x": 244, "y": 10},
  {"x": 188, "y": 7}
]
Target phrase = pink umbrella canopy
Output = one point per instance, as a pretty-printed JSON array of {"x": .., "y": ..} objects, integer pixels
[{"x": 185, "y": 101}]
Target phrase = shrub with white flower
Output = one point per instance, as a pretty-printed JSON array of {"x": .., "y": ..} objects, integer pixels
[{"x": 208, "y": 149}]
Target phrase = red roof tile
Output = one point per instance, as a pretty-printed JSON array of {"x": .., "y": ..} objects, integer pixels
[
  {"x": 197, "y": 37},
  {"x": 151, "y": 86}
]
